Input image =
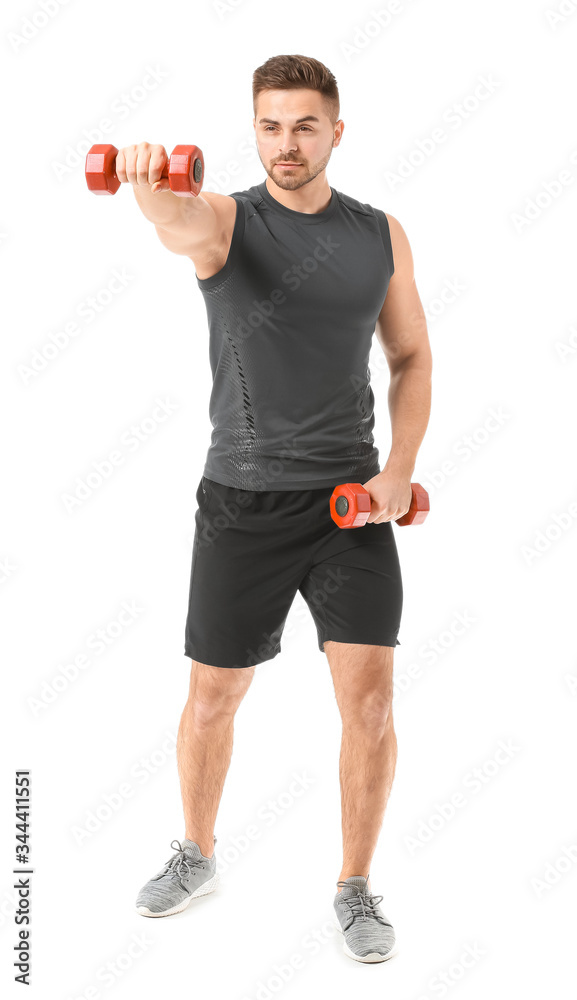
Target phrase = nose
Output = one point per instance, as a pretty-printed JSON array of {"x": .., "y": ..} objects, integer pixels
[{"x": 286, "y": 150}]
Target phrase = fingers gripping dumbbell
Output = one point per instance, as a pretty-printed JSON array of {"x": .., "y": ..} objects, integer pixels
[
  {"x": 184, "y": 170},
  {"x": 350, "y": 505}
]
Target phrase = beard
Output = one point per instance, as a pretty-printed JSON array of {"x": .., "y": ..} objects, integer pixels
[{"x": 290, "y": 180}]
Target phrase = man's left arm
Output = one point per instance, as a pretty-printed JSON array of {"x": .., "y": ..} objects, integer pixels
[{"x": 401, "y": 330}]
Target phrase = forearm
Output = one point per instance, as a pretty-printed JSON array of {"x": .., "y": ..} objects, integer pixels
[{"x": 409, "y": 401}]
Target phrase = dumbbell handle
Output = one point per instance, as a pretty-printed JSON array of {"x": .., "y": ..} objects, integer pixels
[{"x": 164, "y": 174}]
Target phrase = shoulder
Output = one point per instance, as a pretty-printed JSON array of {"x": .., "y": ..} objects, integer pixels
[
  {"x": 225, "y": 205},
  {"x": 389, "y": 227},
  {"x": 400, "y": 245},
  {"x": 354, "y": 205}
]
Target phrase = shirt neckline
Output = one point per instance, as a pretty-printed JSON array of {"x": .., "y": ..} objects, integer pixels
[{"x": 308, "y": 218}]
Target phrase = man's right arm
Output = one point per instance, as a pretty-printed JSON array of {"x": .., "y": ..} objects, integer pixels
[{"x": 197, "y": 227}]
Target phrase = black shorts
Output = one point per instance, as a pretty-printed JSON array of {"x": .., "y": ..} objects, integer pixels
[{"x": 253, "y": 550}]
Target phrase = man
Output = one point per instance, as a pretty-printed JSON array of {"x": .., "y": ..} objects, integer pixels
[{"x": 296, "y": 278}]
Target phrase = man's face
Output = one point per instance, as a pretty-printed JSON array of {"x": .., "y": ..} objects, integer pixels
[{"x": 282, "y": 137}]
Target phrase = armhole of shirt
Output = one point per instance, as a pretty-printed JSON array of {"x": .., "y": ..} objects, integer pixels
[
  {"x": 386, "y": 235},
  {"x": 235, "y": 245}
]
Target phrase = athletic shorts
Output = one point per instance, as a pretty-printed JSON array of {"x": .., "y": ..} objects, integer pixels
[{"x": 252, "y": 551}]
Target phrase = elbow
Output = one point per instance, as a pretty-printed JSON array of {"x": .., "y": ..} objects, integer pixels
[{"x": 419, "y": 359}]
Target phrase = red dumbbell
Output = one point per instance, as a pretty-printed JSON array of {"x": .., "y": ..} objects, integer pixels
[
  {"x": 351, "y": 505},
  {"x": 184, "y": 169}
]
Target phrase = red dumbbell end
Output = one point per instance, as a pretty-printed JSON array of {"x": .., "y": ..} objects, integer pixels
[
  {"x": 419, "y": 508},
  {"x": 350, "y": 505},
  {"x": 100, "y": 169},
  {"x": 186, "y": 171}
]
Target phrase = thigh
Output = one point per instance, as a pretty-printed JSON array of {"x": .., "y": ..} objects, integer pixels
[
  {"x": 354, "y": 587},
  {"x": 363, "y": 679},
  {"x": 249, "y": 555}
]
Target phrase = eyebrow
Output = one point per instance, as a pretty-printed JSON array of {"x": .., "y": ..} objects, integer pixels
[{"x": 307, "y": 118}]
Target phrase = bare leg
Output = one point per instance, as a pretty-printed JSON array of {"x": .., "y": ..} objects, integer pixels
[
  {"x": 363, "y": 681},
  {"x": 204, "y": 745}
]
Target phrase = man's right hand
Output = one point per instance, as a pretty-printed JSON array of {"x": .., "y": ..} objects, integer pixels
[{"x": 142, "y": 166}]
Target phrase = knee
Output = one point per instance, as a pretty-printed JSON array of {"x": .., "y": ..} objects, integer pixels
[
  {"x": 372, "y": 713},
  {"x": 211, "y": 710},
  {"x": 216, "y": 697}
]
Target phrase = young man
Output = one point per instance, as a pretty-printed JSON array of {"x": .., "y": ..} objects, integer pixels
[{"x": 296, "y": 277}]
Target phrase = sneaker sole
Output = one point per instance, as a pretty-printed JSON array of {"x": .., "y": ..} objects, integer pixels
[
  {"x": 202, "y": 890},
  {"x": 373, "y": 956}
]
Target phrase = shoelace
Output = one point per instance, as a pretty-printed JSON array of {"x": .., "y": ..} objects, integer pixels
[
  {"x": 180, "y": 864},
  {"x": 362, "y": 904}
]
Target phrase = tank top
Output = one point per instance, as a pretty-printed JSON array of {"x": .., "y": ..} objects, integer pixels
[{"x": 291, "y": 316}]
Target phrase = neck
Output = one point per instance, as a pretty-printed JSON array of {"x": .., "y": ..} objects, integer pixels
[{"x": 310, "y": 198}]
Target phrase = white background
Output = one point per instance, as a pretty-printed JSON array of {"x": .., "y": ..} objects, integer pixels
[{"x": 498, "y": 875}]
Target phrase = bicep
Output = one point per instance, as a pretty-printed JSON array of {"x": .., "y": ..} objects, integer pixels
[{"x": 401, "y": 327}]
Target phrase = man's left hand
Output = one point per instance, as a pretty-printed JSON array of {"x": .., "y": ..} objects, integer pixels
[{"x": 390, "y": 495}]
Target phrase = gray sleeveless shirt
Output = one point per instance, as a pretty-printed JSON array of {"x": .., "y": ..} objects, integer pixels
[{"x": 291, "y": 317}]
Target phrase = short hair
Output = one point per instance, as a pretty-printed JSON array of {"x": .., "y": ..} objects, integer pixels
[{"x": 294, "y": 71}]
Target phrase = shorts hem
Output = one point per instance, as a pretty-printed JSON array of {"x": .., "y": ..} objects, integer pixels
[
  {"x": 195, "y": 655},
  {"x": 389, "y": 641}
]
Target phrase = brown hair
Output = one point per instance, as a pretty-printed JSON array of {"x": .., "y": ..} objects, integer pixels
[{"x": 292, "y": 72}]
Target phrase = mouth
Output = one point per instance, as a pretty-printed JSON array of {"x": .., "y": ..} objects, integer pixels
[{"x": 288, "y": 164}]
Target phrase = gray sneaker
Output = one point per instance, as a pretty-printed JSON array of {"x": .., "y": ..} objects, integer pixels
[
  {"x": 186, "y": 875},
  {"x": 369, "y": 936}
]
